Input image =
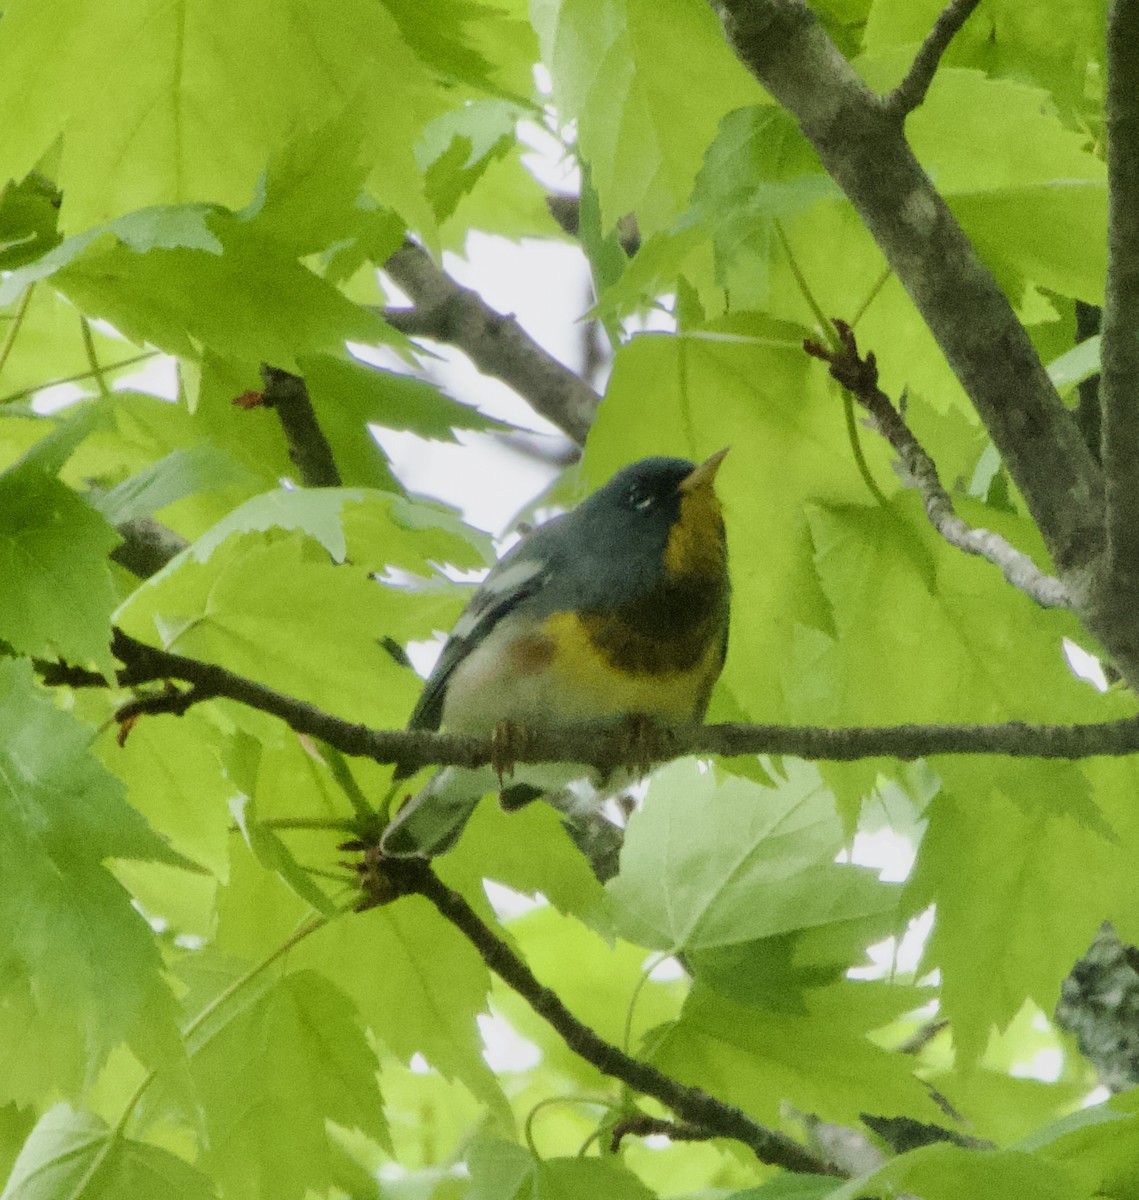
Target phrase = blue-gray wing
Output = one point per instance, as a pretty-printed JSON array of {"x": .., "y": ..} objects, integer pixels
[{"x": 517, "y": 577}]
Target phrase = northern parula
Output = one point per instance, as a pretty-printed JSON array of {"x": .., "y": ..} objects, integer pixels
[{"x": 618, "y": 608}]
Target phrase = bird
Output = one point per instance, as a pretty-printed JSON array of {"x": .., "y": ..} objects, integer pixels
[{"x": 617, "y": 610}]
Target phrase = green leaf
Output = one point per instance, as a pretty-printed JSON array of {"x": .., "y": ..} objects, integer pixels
[
  {"x": 272, "y": 1074},
  {"x": 272, "y": 853},
  {"x": 348, "y": 395},
  {"x": 500, "y": 1171},
  {"x": 425, "y": 997},
  {"x": 945, "y": 1172},
  {"x": 81, "y": 970},
  {"x": 1003, "y": 846},
  {"x": 184, "y": 298},
  {"x": 599, "y": 978},
  {"x": 789, "y": 1187},
  {"x": 647, "y": 84},
  {"x": 1097, "y": 1145},
  {"x": 470, "y": 41},
  {"x": 458, "y": 148},
  {"x": 819, "y": 1061},
  {"x": 29, "y": 214},
  {"x": 375, "y": 529},
  {"x": 57, "y": 598},
  {"x": 178, "y": 474},
  {"x": 529, "y": 851},
  {"x": 711, "y": 867},
  {"x": 74, "y": 1155},
  {"x": 196, "y": 106},
  {"x": 947, "y": 659}
]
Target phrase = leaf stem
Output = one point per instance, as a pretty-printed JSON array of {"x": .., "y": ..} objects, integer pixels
[
  {"x": 93, "y": 357},
  {"x": 17, "y": 322},
  {"x": 549, "y": 1102},
  {"x": 24, "y": 393},
  {"x": 310, "y": 926}
]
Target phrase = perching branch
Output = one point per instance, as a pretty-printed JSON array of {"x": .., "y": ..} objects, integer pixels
[
  {"x": 860, "y": 377},
  {"x": 862, "y": 145},
  {"x": 496, "y": 344},
  {"x": 911, "y": 91},
  {"x": 385, "y": 878},
  {"x": 604, "y": 748},
  {"x": 287, "y": 395},
  {"x": 1119, "y": 351}
]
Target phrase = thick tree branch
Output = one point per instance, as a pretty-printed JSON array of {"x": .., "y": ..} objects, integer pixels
[
  {"x": 387, "y": 877},
  {"x": 1119, "y": 386},
  {"x": 496, "y": 344},
  {"x": 911, "y": 91},
  {"x": 860, "y": 377},
  {"x": 287, "y": 395},
  {"x": 604, "y": 748},
  {"x": 862, "y": 145}
]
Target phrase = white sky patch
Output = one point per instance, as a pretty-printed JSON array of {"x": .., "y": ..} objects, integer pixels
[
  {"x": 891, "y": 956},
  {"x": 1085, "y": 666},
  {"x": 668, "y": 970},
  {"x": 891, "y": 854},
  {"x": 1045, "y": 1065},
  {"x": 505, "y": 1049},
  {"x": 507, "y": 903},
  {"x": 419, "y": 1065}
]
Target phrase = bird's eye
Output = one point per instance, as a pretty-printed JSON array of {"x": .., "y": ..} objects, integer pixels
[{"x": 640, "y": 501}]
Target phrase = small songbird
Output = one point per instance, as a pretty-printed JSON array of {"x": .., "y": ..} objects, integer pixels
[{"x": 617, "y": 609}]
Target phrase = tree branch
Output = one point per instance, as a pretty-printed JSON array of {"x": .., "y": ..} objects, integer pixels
[
  {"x": 911, "y": 91},
  {"x": 862, "y": 145},
  {"x": 601, "y": 747},
  {"x": 287, "y": 395},
  {"x": 382, "y": 878},
  {"x": 147, "y": 546},
  {"x": 496, "y": 344},
  {"x": 860, "y": 377},
  {"x": 1119, "y": 386}
]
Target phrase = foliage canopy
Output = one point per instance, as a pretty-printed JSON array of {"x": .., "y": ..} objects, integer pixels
[{"x": 189, "y": 1007}]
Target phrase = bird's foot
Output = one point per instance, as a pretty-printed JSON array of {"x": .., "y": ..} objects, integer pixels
[
  {"x": 641, "y": 741},
  {"x": 506, "y": 743}
]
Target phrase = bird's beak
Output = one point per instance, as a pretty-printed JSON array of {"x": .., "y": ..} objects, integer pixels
[{"x": 703, "y": 475}]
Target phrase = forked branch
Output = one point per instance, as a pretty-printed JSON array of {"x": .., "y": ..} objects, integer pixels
[{"x": 859, "y": 375}]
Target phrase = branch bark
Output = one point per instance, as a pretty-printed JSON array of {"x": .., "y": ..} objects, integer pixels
[
  {"x": 496, "y": 344},
  {"x": 911, "y": 91},
  {"x": 861, "y": 142},
  {"x": 1119, "y": 385},
  {"x": 695, "y": 1107},
  {"x": 287, "y": 395},
  {"x": 604, "y": 747}
]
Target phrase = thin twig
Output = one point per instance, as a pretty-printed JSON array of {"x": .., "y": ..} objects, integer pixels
[
  {"x": 287, "y": 395},
  {"x": 606, "y": 748},
  {"x": 860, "y": 377},
  {"x": 496, "y": 344},
  {"x": 912, "y": 90},
  {"x": 695, "y": 1107},
  {"x": 642, "y": 1125}
]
